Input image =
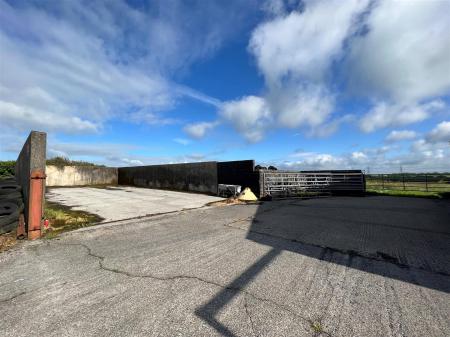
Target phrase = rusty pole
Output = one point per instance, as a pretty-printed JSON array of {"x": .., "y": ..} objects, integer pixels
[{"x": 36, "y": 204}]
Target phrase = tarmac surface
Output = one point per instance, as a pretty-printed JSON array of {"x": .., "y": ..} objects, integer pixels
[
  {"x": 341, "y": 266},
  {"x": 114, "y": 203}
]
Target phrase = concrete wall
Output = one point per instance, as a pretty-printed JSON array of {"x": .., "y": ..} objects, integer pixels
[
  {"x": 32, "y": 157},
  {"x": 194, "y": 177},
  {"x": 80, "y": 175}
]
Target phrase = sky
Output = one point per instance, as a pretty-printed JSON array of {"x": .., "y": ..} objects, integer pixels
[{"x": 323, "y": 84}]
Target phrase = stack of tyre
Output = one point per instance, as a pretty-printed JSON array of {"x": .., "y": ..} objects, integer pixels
[{"x": 11, "y": 204}]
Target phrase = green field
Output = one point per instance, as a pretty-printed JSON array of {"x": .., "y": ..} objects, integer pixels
[
  {"x": 378, "y": 184},
  {"x": 435, "y": 185}
]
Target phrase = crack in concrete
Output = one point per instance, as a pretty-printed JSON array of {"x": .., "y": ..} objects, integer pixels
[
  {"x": 252, "y": 325},
  {"x": 190, "y": 277},
  {"x": 12, "y": 297},
  {"x": 379, "y": 257}
]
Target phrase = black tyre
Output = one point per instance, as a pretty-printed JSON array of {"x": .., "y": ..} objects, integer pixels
[
  {"x": 9, "y": 188},
  {"x": 9, "y": 196},
  {"x": 8, "y": 228},
  {"x": 9, "y": 180},
  {"x": 16, "y": 201},
  {"x": 9, "y": 212}
]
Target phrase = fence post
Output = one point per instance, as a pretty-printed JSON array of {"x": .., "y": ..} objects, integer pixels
[
  {"x": 426, "y": 182},
  {"x": 382, "y": 181},
  {"x": 403, "y": 179}
]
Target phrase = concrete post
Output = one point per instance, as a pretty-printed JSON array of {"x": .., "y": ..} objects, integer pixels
[{"x": 30, "y": 174}]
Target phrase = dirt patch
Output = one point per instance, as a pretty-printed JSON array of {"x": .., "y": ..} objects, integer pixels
[
  {"x": 7, "y": 241},
  {"x": 232, "y": 201}
]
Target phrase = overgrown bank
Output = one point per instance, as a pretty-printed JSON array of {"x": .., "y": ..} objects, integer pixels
[{"x": 7, "y": 166}]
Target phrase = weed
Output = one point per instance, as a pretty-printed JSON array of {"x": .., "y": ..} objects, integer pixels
[
  {"x": 317, "y": 327},
  {"x": 64, "y": 218}
]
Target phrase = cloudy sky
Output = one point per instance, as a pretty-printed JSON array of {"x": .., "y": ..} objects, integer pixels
[{"x": 297, "y": 84}]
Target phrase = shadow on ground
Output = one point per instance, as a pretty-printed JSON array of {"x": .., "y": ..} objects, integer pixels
[{"x": 407, "y": 239}]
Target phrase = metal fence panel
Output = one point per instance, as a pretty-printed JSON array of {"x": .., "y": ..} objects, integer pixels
[{"x": 291, "y": 183}]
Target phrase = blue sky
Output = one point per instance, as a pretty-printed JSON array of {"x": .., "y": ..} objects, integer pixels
[{"x": 323, "y": 84}]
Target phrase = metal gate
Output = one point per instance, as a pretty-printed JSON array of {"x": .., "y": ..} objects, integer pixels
[{"x": 311, "y": 183}]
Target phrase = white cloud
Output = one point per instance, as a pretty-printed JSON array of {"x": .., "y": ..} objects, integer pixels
[
  {"x": 384, "y": 115},
  {"x": 199, "y": 130},
  {"x": 109, "y": 154},
  {"x": 250, "y": 115},
  {"x": 56, "y": 67},
  {"x": 182, "y": 141},
  {"x": 302, "y": 105},
  {"x": 330, "y": 127},
  {"x": 303, "y": 44},
  {"x": 189, "y": 92},
  {"x": 308, "y": 106},
  {"x": 113, "y": 154},
  {"x": 294, "y": 56},
  {"x": 358, "y": 156},
  {"x": 275, "y": 7},
  {"x": 84, "y": 63},
  {"x": 441, "y": 133},
  {"x": 57, "y": 148},
  {"x": 400, "y": 135},
  {"x": 404, "y": 56},
  {"x": 421, "y": 156},
  {"x": 75, "y": 65},
  {"x": 146, "y": 116},
  {"x": 26, "y": 118},
  {"x": 311, "y": 53},
  {"x": 311, "y": 161},
  {"x": 132, "y": 162}
]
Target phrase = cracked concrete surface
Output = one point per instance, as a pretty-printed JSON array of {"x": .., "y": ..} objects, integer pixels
[{"x": 239, "y": 271}]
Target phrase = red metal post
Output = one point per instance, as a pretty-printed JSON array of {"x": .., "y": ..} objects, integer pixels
[
  {"x": 36, "y": 204},
  {"x": 21, "y": 233}
]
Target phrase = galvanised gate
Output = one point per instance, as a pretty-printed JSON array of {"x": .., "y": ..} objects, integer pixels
[{"x": 298, "y": 183}]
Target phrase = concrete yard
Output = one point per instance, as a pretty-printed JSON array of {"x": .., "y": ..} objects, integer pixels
[
  {"x": 114, "y": 203},
  {"x": 341, "y": 266}
]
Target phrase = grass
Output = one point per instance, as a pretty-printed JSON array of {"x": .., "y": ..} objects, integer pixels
[
  {"x": 417, "y": 187},
  {"x": 62, "y": 161},
  {"x": 61, "y": 219},
  {"x": 408, "y": 185},
  {"x": 317, "y": 327},
  {"x": 7, "y": 168},
  {"x": 64, "y": 218},
  {"x": 416, "y": 194}
]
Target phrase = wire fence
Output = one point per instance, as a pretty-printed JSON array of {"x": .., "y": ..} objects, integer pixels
[{"x": 409, "y": 182}]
